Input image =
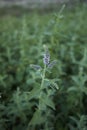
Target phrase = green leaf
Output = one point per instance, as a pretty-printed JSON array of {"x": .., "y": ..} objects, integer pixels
[
  {"x": 75, "y": 79},
  {"x": 42, "y": 105},
  {"x": 46, "y": 83},
  {"x": 47, "y": 101},
  {"x": 34, "y": 93},
  {"x": 37, "y": 118},
  {"x": 50, "y": 103},
  {"x": 84, "y": 90},
  {"x": 50, "y": 83},
  {"x": 55, "y": 85},
  {"x": 71, "y": 89}
]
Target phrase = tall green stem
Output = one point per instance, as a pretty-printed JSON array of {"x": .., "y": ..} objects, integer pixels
[
  {"x": 42, "y": 84},
  {"x": 43, "y": 76}
]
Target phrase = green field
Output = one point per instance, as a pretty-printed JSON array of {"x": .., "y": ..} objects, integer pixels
[{"x": 28, "y": 99}]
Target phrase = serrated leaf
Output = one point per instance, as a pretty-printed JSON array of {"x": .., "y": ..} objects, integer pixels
[
  {"x": 34, "y": 93},
  {"x": 51, "y": 83},
  {"x": 55, "y": 85},
  {"x": 37, "y": 118},
  {"x": 48, "y": 101}
]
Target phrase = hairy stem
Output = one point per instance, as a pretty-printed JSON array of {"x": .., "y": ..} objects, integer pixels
[
  {"x": 43, "y": 76},
  {"x": 42, "y": 84}
]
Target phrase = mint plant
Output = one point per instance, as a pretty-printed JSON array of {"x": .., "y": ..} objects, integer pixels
[
  {"x": 44, "y": 93},
  {"x": 24, "y": 104}
]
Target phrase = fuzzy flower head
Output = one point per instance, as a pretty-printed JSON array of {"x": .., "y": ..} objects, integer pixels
[
  {"x": 46, "y": 61},
  {"x": 46, "y": 58}
]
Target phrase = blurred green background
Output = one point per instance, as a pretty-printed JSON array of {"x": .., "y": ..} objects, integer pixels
[{"x": 23, "y": 32}]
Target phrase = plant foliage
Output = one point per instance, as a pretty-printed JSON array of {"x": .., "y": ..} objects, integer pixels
[{"x": 36, "y": 92}]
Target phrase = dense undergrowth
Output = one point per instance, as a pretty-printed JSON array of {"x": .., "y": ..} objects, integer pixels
[{"x": 21, "y": 44}]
